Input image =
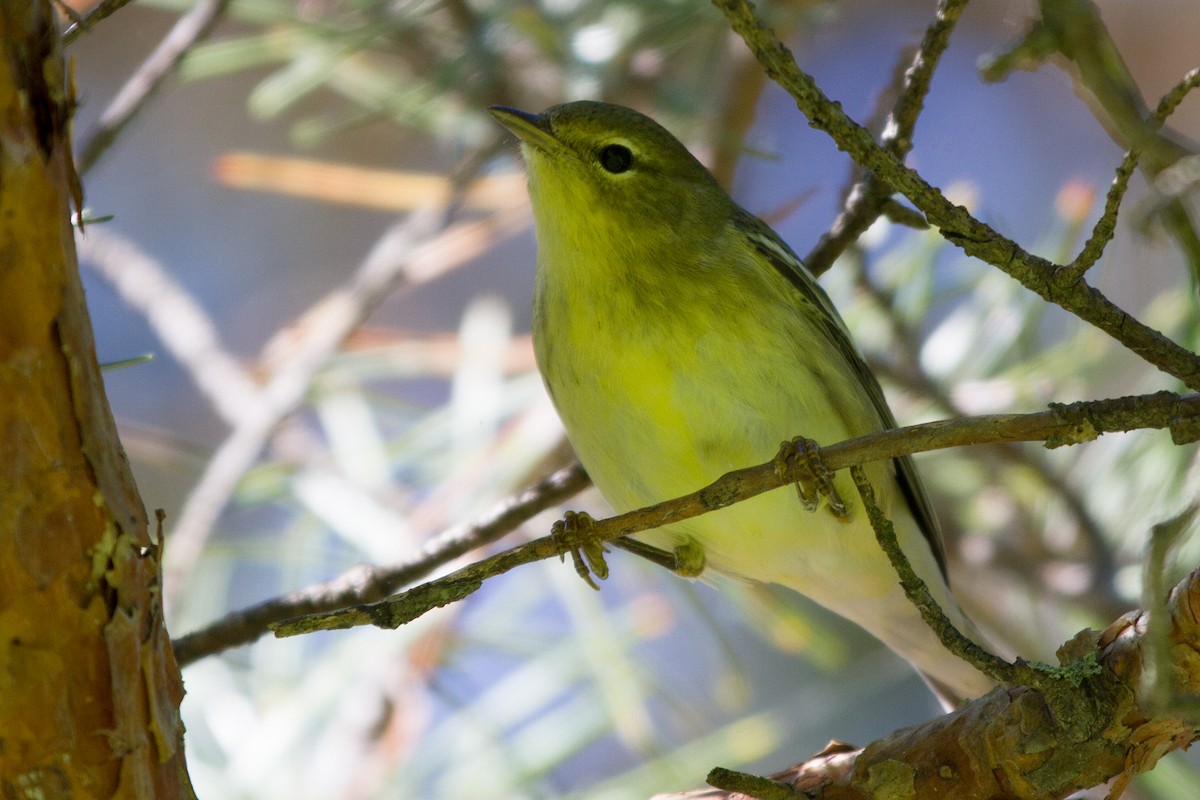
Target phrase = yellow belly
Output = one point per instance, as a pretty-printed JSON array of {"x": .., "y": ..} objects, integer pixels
[
  {"x": 659, "y": 403},
  {"x": 662, "y": 407}
]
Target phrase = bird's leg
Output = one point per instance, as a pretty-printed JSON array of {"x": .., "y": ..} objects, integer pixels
[
  {"x": 799, "y": 461},
  {"x": 685, "y": 560},
  {"x": 574, "y": 535}
]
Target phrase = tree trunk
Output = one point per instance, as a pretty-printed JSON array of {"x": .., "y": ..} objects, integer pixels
[{"x": 89, "y": 688}]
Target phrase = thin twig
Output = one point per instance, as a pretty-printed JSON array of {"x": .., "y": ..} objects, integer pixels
[
  {"x": 897, "y": 134},
  {"x": 909, "y": 374},
  {"x": 1171, "y": 100},
  {"x": 1102, "y": 591},
  {"x": 1061, "y": 425},
  {"x": 957, "y": 225},
  {"x": 869, "y": 196},
  {"x": 84, "y": 24},
  {"x": 1106, "y": 226},
  {"x": 919, "y": 595},
  {"x": 1076, "y": 31},
  {"x": 368, "y": 584},
  {"x": 190, "y": 29}
]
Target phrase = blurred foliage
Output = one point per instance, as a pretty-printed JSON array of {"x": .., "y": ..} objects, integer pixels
[
  {"x": 431, "y": 65},
  {"x": 536, "y": 688}
]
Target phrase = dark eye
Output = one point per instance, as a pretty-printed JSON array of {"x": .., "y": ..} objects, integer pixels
[{"x": 616, "y": 158}]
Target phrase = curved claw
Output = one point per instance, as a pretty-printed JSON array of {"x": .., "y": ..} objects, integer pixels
[
  {"x": 574, "y": 535},
  {"x": 800, "y": 461}
]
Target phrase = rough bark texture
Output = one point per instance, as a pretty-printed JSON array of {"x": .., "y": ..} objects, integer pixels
[
  {"x": 89, "y": 689},
  {"x": 1010, "y": 746}
]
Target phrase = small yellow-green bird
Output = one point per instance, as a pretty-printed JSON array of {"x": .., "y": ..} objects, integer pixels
[{"x": 680, "y": 338}]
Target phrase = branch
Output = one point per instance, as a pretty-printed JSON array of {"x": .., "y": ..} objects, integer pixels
[
  {"x": 910, "y": 375},
  {"x": 365, "y": 584},
  {"x": 1007, "y": 744},
  {"x": 1105, "y": 227},
  {"x": 84, "y": 24},
  {"x": 1061, "y": 425},
  {"x": 957, "y": 226},
  {"x": 919, "y": 595},
  {"x": 1075, "y": 30},
  {"x": 869, "y": 197}
]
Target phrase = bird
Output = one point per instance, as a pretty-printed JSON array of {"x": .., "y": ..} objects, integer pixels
[{"x": 679, "y": 338}]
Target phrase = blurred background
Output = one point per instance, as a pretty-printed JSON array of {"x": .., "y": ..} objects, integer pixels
[{"x": 341, "y": 372}]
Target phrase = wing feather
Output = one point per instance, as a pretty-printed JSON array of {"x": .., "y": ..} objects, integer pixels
[{"x": 789, "y": 265}]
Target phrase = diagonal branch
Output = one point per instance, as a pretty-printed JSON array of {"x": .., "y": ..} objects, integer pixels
[
  {"x": 1075, "y": 30},
  {"x": 1106, "y": 226},
  {"x": 908, "y": 373},
  {"x": 366, "y": 584},
  {"x": 869, "y": 197},
  {"x": 1006, "y": 744},
  {"x": 81, "y": 24},
  {"x": 918, "y": 593},
  {"x": 1059, "y": 426},
  {"x": 957, "y": 226},
  {"x": 1092, "y": 718}
]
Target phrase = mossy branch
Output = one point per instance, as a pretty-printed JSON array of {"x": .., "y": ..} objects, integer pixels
[
  {"x": 1065, "y": 288},
  {"x": 1060, "y": 425},
  {"x": 984, "y": 749}
]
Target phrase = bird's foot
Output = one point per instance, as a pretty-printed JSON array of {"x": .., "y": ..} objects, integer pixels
[
  {"x": 574, "y": 534},
  {"x": 799, "y": 462}
]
